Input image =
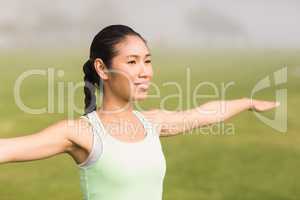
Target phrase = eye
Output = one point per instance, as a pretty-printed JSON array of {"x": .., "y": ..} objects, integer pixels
[
  {"x": 131, "y": 62},
  {"x": 148, "y": 61}
]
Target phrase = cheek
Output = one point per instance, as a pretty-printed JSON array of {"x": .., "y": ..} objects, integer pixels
[
  {"x": 150, "y": 72},
  {"x": 122, "y": 82},
  {"x": 122, "y": 76}
]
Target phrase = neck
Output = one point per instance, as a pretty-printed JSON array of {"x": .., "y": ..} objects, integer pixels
[{"x": 112, "y": 104}]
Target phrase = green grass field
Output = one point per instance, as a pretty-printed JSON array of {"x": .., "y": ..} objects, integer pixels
[{"x": 256, "y": 162}]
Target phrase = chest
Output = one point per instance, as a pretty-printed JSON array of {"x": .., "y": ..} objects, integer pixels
[{"x": 124, "y": 164}]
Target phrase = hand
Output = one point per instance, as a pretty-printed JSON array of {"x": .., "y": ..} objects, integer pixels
[{"x": 261, "y": 106}]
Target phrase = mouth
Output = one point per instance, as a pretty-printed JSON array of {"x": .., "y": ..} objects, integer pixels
[{"x": 143, "y": 85}]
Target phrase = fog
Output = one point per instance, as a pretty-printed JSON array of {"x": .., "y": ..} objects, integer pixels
[{"x": 174, "y": 23}]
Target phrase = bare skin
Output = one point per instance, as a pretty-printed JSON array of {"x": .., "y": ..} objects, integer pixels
[{"x": 74, "y": 137}]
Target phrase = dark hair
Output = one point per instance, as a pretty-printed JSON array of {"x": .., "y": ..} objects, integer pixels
[{"x": 103, "y": 46}]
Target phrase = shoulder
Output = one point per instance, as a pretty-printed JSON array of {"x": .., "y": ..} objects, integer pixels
[
  {"x": 158, "y": 117},
  {"x": 79, "y": 132},
  {"x": 152, "y": 115}
]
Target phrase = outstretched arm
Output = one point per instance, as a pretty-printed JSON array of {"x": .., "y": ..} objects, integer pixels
[
  {"x": 174, "y": 122},
  {"x": 52, "y": 140}
]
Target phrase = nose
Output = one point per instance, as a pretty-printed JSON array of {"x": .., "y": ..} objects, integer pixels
[{"x": 144, "y": 70}]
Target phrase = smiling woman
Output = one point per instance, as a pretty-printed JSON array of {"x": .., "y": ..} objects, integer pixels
[
  {"x": 120, "y": 166},
  {"x": 125, "y": 162},
  {"x": 122, "y": 76}
]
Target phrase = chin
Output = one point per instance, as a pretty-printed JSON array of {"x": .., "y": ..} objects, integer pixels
[{"x": 140, "y": 97}]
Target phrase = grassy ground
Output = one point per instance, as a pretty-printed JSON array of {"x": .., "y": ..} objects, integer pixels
[{"x": 256, "y": 162}]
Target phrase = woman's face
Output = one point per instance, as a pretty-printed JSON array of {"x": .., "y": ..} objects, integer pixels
[{"x": 131, "y": 70}]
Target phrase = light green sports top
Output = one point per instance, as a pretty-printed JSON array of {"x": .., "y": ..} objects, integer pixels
[{"x": 117, "y": 170}]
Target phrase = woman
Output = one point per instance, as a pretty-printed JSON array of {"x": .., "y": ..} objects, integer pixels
[{"x": 118, "y": 163}]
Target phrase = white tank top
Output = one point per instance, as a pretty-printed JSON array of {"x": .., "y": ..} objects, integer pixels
[{"x": 121, "y": 170}]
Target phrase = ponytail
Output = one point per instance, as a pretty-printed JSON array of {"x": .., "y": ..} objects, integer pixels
[{"x": 91, "y": 80}]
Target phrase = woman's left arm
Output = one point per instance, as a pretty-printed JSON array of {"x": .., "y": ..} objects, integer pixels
[{"x": 174, "y": 122}]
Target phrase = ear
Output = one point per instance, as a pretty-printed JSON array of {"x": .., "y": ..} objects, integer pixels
[{"x": 101, "y": 68}]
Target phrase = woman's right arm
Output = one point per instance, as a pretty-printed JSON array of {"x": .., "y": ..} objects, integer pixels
[{"x": 53, "y": 140}]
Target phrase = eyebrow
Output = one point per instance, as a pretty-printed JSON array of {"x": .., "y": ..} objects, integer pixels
[{"x": 134, "y": 55}]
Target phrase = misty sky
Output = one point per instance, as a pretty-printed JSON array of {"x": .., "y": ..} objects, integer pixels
[{"x": 207, "y": 23}]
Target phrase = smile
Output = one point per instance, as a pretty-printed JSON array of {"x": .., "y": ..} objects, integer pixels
[{"x": 144, "y": 86}]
